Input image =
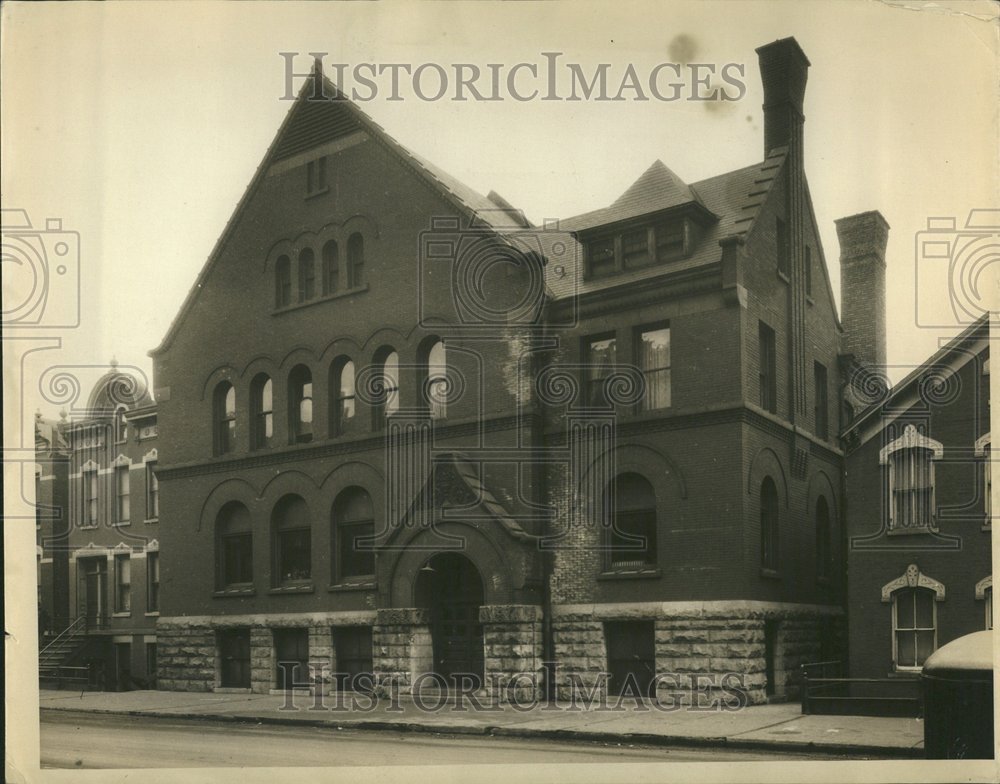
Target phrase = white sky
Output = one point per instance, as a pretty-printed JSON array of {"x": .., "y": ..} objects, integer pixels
[{"x": 140, "y": 124}]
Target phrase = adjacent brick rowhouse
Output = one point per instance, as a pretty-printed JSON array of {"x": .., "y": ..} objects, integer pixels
[{"x": 491, "y": 523}]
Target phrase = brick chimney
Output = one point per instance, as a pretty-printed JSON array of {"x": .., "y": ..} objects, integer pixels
[
  {"x": 784, "y": 69},
  {"x": 863, "y": 239}
]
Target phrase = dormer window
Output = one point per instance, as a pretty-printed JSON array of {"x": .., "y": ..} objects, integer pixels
[{"x": 639, "y": 247}]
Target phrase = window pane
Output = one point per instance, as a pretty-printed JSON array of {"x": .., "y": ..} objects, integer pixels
[
  {"x": 230, "y": 402},
  {"x": 906, "y": 652},
  {"x": 601, "y": 256},
  {"x": 391, "y": 370},
  {"x": 669, "y": 240},
  {"x": 654, "y": 360},
  {"x": 635, "y": 248},
  {"x": 305, "y": 406},
  {"x": 904, "y": 609},
  {"x": 925, "y": 609},
  {"x": 600, "y": 364},
  {"x": 925, "y": 646}
]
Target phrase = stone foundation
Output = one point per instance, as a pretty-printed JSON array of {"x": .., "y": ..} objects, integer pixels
[
  {"x": 713, "y": 647},
  {"x": 512, "y": 640}
]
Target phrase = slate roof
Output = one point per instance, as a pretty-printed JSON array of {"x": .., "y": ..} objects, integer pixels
[
  {"x": 734, "y": 197},
  {"x": 657, "y": 189}
]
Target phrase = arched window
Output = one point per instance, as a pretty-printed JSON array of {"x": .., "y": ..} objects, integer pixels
[
  {"x": 292, "y": 541},
  {"x": 353, "y": 526},
  {"x": 283, "y": 282},
  {"x": 331, "y": 267},
  {"x": 632, "y": 537},
  {"x": 387, "y": 402},
  {"x": 262, "y": 403},
  {"x": 434, "y": 378},
  {"x": 234, "y": 547},
  {"x": 355, "y": 261},
  {"x": 121, "y": 425},
  {"x": 768, "y": 525},
  {"x": 343, "y": 392},
  {"x": 914, "y": 627},
  {"x": 824, "y": 548},
  {"x": 910, "y": 462},
  {"x": 300, "y": 402},
  {"x": 224, "y": 413},
  {"x": 307, "y": 275}
]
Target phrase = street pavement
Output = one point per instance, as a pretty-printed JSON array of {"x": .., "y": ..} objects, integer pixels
[
  {"x": 70, "y": 739},
  {"x": 778, "y": 727}
]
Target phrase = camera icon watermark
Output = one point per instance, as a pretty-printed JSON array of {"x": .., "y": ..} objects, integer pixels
[
  {"x": 965, "y": 262},
  {"x": 41, "y": 271},
  {"x": 476, "y": 278}
]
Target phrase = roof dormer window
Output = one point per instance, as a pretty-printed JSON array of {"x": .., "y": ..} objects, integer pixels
[{"x": 639, "y": 247}]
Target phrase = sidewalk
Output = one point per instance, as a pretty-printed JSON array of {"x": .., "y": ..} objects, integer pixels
[{"x": 777, "y": 727}]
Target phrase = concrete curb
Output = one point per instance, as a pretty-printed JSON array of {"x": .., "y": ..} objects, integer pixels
[{"x": 644, "y": 739}]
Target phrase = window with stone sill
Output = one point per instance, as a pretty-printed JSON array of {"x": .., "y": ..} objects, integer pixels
[
  {"x": 984, "y": 593},
  {"x": 90, "y": 497},
  {"x": 292, "y": 542},
  {"x": 123, "y": 584},
  {"x": 913, "y": 597},
  {"x": 152, "y": 492},
  {"x": 122, "y": 511},
  {"x": 909, "y": 481},
  {"x": 353, "y": 528},
  {"x": 982, "y": 452},
  {"x": 600, "y": 360},
  {"x": 234, "y": 547},
  {"x": 630, "y": 540}
]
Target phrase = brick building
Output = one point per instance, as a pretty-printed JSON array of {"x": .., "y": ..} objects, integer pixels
[
  {"x": 51, "y": 522},
  {"x": 108, "y": 599},
  {"x": 918, "y": 517},
  {"x": 615, "y": 450}
]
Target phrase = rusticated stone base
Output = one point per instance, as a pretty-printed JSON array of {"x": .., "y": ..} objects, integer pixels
[
  {"x": 186, "y": 659},
  {"x": 512, "y": 640},
  {"x": 711, "y": 647}
]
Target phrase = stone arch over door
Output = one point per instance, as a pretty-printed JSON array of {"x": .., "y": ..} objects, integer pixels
[{"x": 492, "y": 559}]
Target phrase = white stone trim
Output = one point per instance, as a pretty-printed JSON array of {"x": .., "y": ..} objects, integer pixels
[
  {"x": 339, "y": 618},
  {"x": 613, "y": 610},
  {"x": 911, "y": 438},
  {"x": 982, "y": 585},
  {"x": 913, "y": 578},
  {"x": 121, "y": 460},
  {"x": 92, "y": 550},
  {"x": 981, "y": 443},
  {"x": 150, "y": 456},
  {"x": 152, "y": 546}
]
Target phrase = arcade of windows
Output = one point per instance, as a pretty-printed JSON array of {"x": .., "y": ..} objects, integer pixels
[
  {"x": 290, "y": 536},
  {"x": 301, "y": 391},
  {"x": 334, "y": 275}
]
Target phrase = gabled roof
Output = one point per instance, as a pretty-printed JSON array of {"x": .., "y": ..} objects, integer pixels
[
  {"x": 475, "y": 491},
  {"x": 734, "y": 198},
  {"x": 974, "y": 334},
  {"x": 322, "y": 114},
  {"x": 658, "y": 188}
]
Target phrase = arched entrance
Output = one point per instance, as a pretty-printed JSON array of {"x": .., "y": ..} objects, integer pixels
[{"x": 450, "y": 586}]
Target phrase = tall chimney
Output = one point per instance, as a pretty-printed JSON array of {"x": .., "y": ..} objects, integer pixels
[
  {"x": 784, "y": 69},
  {"x": 863, "y": 239}
]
